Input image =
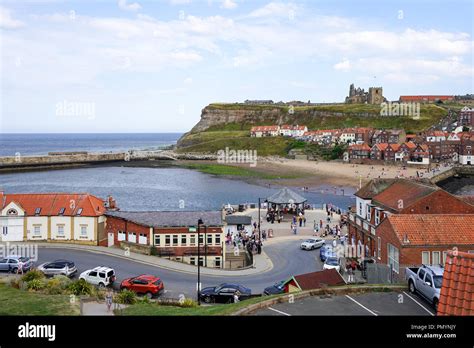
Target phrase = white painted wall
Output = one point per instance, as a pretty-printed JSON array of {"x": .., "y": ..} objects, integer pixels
[
  {"x": 89, "y": 223},
  {"x": 61, "y": 220},
  {"x": 42, "y": 222}
]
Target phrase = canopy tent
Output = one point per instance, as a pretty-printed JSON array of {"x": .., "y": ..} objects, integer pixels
[{"x": 286, "y": 196}]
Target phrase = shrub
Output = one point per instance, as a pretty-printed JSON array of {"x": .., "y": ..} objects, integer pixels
[
  {"x": 100, "y": 294},
  {"x": 36, "y": 284},
  {"x": 126, "y": 297},
  {"x": 63, "y": 281},
  {"x": 154, "y": 251},
  {"x": 80, "y": 287},
  {"x": 54, "y": 286},
  {"x": 32, "y": 274},
  {"x": 188, "y": 303}
]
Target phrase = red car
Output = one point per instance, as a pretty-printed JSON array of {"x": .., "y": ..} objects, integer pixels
[{"x": 148, "y": 285}]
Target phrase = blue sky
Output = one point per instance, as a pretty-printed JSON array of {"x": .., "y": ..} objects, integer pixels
[{"x": 151, "y": 66}]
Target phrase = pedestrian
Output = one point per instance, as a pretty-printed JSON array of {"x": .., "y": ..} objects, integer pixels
[
  {"x": 236, "y": 296},
  {"x": 304, "y": 221},
  {"x": 334, "y": 243},
  {"x": 264, "y": 235},
  {"x": 259, "y": 247},
  {"x": 350, "y": 274},
  {"x": 109, "y": 299}
]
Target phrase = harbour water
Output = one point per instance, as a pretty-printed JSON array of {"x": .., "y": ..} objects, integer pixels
[{"x": 136, "y": 188}]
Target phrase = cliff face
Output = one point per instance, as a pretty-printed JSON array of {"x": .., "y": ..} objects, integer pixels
[{"x": 263, "y": 115}]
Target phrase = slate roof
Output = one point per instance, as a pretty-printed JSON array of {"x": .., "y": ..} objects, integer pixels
[
  {"x": 373, "y": 187},
  {"x": 285, "y": 195},
  {"x": 314, "y": 280},
  {"x": 170, "y": 218},
  {"x": 433, "y": 229},
  {"x": 457, "y": 290},
  {"x": 238, "y": 220}
]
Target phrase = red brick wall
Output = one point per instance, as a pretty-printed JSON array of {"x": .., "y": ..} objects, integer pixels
[
  {"x": 439, "y": 202},
  {"x": 114, "y": 224}
]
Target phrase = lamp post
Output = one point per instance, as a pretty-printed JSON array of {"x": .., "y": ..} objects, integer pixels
[
  {"x": 205, "y": 245},
  {"x": 199, "y": 262}
]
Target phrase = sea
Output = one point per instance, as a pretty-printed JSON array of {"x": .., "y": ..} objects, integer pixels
[{"x": 140, "y": 188}]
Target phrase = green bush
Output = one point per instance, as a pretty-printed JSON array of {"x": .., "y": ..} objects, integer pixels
[
  {"x": 126, "y": 297},
  {"x": 80, "y": 287},
  {"x": 153, "y": 251},
  {"x": 188, "y": 303},
  {"x": 32, "y": 274},
  {"x": 57, "y": 285},
  {"x": 36, "y": 284},
  {"x": 100, "y": 294},
  {"x": 63, "y": 281}
]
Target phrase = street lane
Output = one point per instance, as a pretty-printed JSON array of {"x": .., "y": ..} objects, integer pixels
[{"x": 286, "y": 256}]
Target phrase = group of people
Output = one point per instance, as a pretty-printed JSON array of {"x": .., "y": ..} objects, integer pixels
[{"x": 242, "y": 239}]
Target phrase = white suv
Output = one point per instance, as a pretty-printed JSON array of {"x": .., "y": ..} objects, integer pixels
[{"x": 101, "y": 276}]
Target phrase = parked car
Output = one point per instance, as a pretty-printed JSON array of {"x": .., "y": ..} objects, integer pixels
[
  {"x": 425, "y": 280},
  {"x": 332, "y": 262},
  {"x": 312, "y": 243},
  {"x": 224, "y": 293},
  {"x": 14, "y": 263},
  {"x": 277, "y": 288},
  {"x": 62, "y": 267},
  {"x": 325, "y": 252},
  {"x": 145, "y": 284},
  {"x": 100, "y": 276}
]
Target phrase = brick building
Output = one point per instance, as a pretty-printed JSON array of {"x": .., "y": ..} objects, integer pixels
[
  {"x": 414, "y": 239},
  {"x": 359, "y": 151},
  {"x": 466, "y": 150},
  {"x": 466, "y": 117},
  {"x": 173, "y": 234}
]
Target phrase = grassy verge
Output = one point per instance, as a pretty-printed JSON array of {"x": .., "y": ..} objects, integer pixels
[
  {"x": 227, "y": 309},
  {"x": 19, "y": 302},
  {"x": 227, "y": 170}
]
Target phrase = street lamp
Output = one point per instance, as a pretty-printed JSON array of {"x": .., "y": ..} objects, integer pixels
[{"x": 199, "y": 262}]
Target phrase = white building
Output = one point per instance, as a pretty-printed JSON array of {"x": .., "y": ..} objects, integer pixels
[{"x": 52, "y": 217}]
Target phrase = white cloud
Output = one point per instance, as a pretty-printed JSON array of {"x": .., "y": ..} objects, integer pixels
[
  {"x": 275, "y": 9},
  {"x": 7, "y": 21},
  {"x": 345, "y": 65},
  {"x": 129, "y": 7},
  {"x": 228, "y": 4},
  {"x": 180, "y": 2}
]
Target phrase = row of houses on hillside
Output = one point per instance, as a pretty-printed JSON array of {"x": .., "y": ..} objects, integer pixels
[
  {"x": 274, "y": 131},
  {"x": 400, "y": 222}
]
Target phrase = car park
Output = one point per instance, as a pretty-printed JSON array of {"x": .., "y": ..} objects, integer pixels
[
  {"x": 332, "y": 263},
  {"x": 100, "y": 276},
  {"x": 224, "y": 293},
  {"x": 277, "y": 288},
  {"x": 15, "y": 264},
  {"x": 144, "y": 284},
  {"x": 58, "y": 267},
  {"x": 312, "y": 243}
]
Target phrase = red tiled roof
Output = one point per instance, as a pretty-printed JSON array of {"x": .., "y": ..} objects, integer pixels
[
  {"x": 52, "y": 203},
  {"x": 433, "y": 230},
  {"x": 381, "y": 146},
  {"x": 405, "y": 191},
  {"x": 395, "y": 147},
  {"x": 457, "y": 291},
  {"x": 410, "y": 145},
  {"x": 314, "y": 280}
]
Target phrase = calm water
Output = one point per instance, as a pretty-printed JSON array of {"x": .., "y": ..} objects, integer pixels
[
  {"x": 155, "y": 188},
  {"x": 41, "y": 144}
]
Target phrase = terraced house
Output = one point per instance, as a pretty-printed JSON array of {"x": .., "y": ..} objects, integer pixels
[{"x": 52, "y": 217}]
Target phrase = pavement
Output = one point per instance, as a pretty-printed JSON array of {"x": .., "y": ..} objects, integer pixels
[
  {"x": 99, "y": 308},
  {"x": 368, "y": 304}
]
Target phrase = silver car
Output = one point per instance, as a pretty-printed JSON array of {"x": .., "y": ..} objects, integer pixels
[
  {"x": 15, "y": 263},
  {"x": 58, "y": 267}
]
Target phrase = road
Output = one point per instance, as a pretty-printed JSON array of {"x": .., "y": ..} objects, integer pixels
[{"x": 286, "y": 256}]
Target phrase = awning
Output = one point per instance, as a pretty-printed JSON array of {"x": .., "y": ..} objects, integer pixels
[{"x": 286, "y": 196}]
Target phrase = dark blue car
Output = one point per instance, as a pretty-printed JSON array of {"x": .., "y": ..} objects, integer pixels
[
  {"x": 277, "y": 288},
  {"x": 224, "y": 293}
]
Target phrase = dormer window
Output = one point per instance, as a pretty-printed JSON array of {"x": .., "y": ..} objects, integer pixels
[
  {"x": 79, "y": 211},
  {"x": 377, "y": 216},
  {"x": 61, "y": 211},
  {"x": 37, "y": 211}
]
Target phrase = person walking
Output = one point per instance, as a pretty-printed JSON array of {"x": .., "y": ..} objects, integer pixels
[
  {"x": 350, "y": 273},
  {"x": 109, "y": 295}
]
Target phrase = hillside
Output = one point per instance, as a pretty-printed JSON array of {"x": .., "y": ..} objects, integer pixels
[{"x": 228, "y": 125}]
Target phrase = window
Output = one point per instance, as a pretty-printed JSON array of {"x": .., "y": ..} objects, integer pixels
[
  {"x": 393, "y": 257},
  {"x": 121, "y": 236},
  {"x": 209, "y": 239},
  {"x": 445, "y": 255},
  {"x": 157, "y": 239},
  {"x": 79, "y": 211},
  {"x": 436, "y": 258},
  {"x": 360, "y": 209},
  {"x": 60, "y": 230},
  {"x": 368, "y": 212},
  {"x": 218, "y": 262},
  {"x": 377, "y": 216},
  {"x": 183, "y": 240},
  {"x": 425, "y": 257},
  {"x": 37, "y": 230},
  {"x": 37, "y": 211},
  {"x": 192, "y": 240},
  {"x": 61, "y": 211},
  {"x": 201, "y": 261},
  {"x": 142, "y": 238},
  {"x": 379, "y": 248},
  {"x": 175, "y": 240},
  {"x": 83, "y": 230},
  {"x": 218, "y": 239},
  {"x": 5, "y": 230},
  {"x": 93, "y": 274},
  {"x": 201, "y": 239},
  {"x": 192, "y": 260},
  {"x": 12, "y": 212},
  {"x": 421, "y": 274},
  {"x": 132, "y": 237},
  {"x": 167, "y": 240}
]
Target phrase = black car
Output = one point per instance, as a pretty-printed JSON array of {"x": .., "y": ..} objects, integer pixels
[
  {"x": 224, "y": 293},
  {"x": 277, "y": 288}
]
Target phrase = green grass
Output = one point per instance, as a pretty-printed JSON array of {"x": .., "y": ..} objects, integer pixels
[
  {"x": 19, "y": 302},
  {"x": 226, "y": 170},
  {"x": 225, "y": 309}
]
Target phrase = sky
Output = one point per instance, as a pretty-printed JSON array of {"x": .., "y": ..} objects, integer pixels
[{"x": 153, "y": 65}]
